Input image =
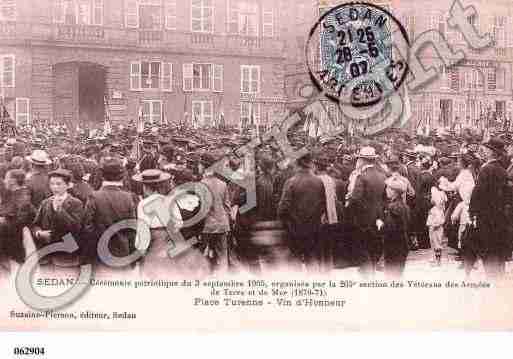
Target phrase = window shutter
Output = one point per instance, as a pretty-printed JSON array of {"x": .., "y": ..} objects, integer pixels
[
  {"x": 207, "y": 112},
  {"x": 167, "y": 76},
  {"x": 59, "y": 9},
  {"x": 170, "y": 14},
  {"x": 244, "y": 79},
  {"x": 455, "y": 81},
  {"x": 256, "y": 109},
  {"x": 131, "y": 13},
  {"x": 22, "y": 111},
  {"x": 268, "y": 20},
  {"x": 8, "y": 68},
  {"x": 255, "y": 79},
  {"x": 135, "y": 76},
  {"x": 98, "y": 12},
  {"x": 187, "y": 77},
  {"x": 233, "y": 17},
  {"x": 218, "y": 78}
]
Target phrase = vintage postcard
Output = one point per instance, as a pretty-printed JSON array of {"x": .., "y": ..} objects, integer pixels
[{"x": 255, "y": 165}]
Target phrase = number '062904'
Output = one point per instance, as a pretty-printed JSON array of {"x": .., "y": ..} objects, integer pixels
[{"x": 28, "y": 351}]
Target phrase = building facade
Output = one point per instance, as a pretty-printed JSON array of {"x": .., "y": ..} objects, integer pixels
[
  {"x": 73, "y": 61},
  {"x": 467, "y": 94}
]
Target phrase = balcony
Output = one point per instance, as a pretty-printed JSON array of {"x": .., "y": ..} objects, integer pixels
[
  {"x": 79, "y": 33},
  {"x": 150, "y": 37},
  {"x": 122, "y": 38}
]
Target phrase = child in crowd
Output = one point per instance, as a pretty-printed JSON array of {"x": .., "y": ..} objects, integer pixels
[
  {"x": 395, "y": 229},
  {"x": 435, "y": 223}
]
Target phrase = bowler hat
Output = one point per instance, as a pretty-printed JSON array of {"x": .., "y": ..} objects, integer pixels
[
  {"x": 112, "y": 166},
  {"x": 495, "y": 144}
]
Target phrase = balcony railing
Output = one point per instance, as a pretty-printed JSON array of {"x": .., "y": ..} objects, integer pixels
[
  {"x": 79, "y": 33},
  {"x": 123, "y": 38},
  {"x": 149, "y": 37}
]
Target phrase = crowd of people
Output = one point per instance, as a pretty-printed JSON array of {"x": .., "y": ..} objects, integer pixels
[{"x": 364, "y": 204}]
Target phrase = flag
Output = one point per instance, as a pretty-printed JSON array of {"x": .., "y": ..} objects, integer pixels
[
  {"x": 195, "y": 122},
  {"x": 163, "y": 120},
  {"x": 7, "y": 125},
  {"x": 307, "y": 122},
  {"x": 222, "y": 123},
  {"x": 427, "y": 130},
  {"x": 486, "y": 135},
  {"x": 406, "y": 115},
  {"x": 313, "y": 129},
  {"x": 140, "y": 121}
]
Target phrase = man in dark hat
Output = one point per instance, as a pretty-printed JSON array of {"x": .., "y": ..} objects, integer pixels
[
  {"x": 489, "y": 211},
  {"x": 107, "y": 206},
  {"x": 150, "y": 157},
  {"x": 301, "y": 207},
  {"x": 16, "y": 212},
  {"x": 37, "y": 178}
]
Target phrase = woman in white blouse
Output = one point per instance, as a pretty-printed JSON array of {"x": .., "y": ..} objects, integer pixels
[{"x": 464, "y": 185}]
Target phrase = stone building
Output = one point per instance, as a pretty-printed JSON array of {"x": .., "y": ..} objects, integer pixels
[{"x": 73, "y": 61}]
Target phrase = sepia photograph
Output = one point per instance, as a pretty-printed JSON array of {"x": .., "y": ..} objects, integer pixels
[{"x": 253, "y": 165}]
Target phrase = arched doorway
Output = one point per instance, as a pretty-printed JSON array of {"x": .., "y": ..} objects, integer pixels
[{"x": 79, "y": 90}]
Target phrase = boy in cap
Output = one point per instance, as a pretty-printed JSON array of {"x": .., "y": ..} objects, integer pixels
[
  {"x": 395, "y": 236},
  {"x": 59, "y": 215}
]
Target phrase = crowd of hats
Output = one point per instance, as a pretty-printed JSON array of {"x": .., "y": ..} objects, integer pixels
[{"x": 205, "y": 146}]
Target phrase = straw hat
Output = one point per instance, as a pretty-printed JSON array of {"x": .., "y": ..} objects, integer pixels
[
  {"x": 39, "y": 157},
  {"x": 367, "y": 153},
  {"x": 152, "y": 176}
]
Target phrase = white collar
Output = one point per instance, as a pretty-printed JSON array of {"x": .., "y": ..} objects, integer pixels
[
  {"x": 488, "y": 162},
  {"x": 112, "y": 183}
]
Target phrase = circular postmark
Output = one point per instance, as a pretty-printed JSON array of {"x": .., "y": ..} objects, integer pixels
[{"x": 355, "y": 54}]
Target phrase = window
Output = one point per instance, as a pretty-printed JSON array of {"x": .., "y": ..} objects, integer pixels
[
  {"x": 7, "y": 70},
  {"x": 202, "y": 16},
  {"x": 249, "y": 113},
  {"x": 152, "y": 111},
  {"x": 203, "y": 77},
  {"x": 243, "y": 18},
  {"x": 496, "y": 79},
  {"x": 501, "y": 78},
  {"x": 455, "y": 78},
  {"x": 445, "y": 78},
  {"x": 151, "y": 75},
  {"x": 78, "y": 12},
  {"x": 167, "y": 77},
  {"x": 499, "y": 31},
  {"x": 202, "y": 74},
  {"x": 268, "y": 21},
  {"x": 146, "y": 14},
  {"x": 492, "y": 79},
  {"x": 22, "y": 111},
  {"x": 248, "y": 19},
  {"x": 473, "y": 80},
  {"x": 131, "y": 13},
  {"x": 202, "y": 113},
  {"x": 170, "y": 14},
  {"x": 409, "y": 24},
  {"x": 250, "y": 79},
  {"x": 7, "y": 10}
]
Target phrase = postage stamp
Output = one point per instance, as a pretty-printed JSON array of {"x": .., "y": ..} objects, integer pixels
[{"x": 352, "y": 54}]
